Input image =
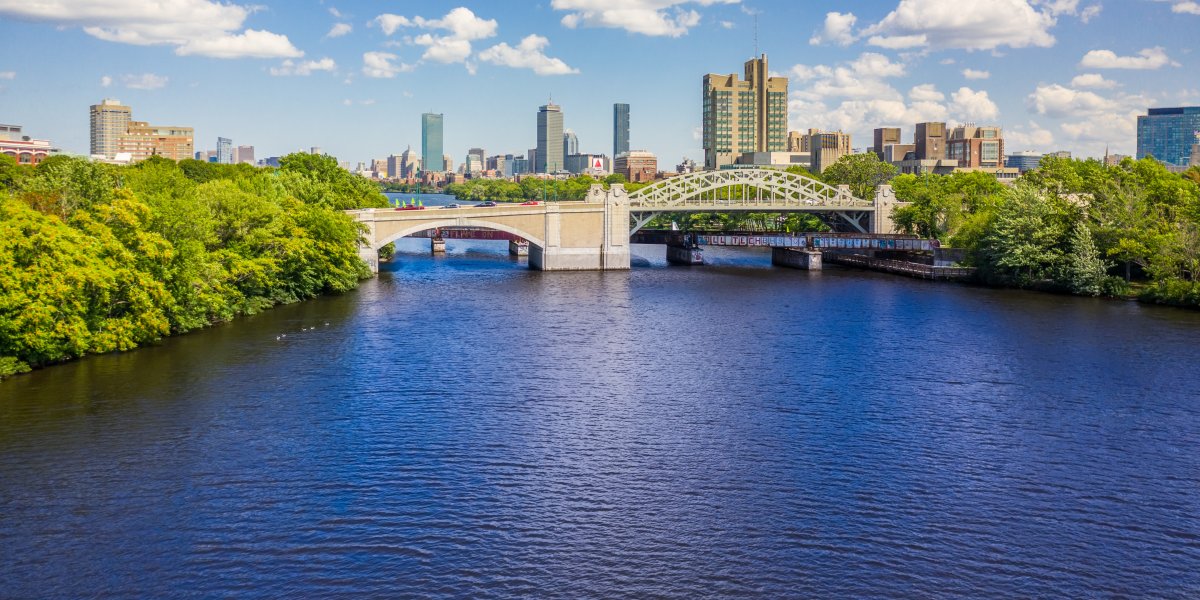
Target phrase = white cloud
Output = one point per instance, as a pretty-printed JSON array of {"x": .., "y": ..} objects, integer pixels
[
  {"x": 1188, "y": 7},
  {"x": 1089, "y": 13},
  {"x": 964, "y": 24},
  {"x": 975, "y": 74},
  {"x": 1032, "y": 136},
  {"x": 871, "y": 64},
  {"x": 1147, "y": 59},
  {"x": 303, "y": 68},
  {"x": 461, "y": 27},
  {"x": 106, "y": 81},
  {"x": 1093, "y": 80},
  {"x": 926, "y": 92},
  {"x": 974, "y": 105},
  {"x": 647, "y": 17},
  {"x": 10, "y": 75},
  {"x": 335, "y": 12},
  {"x": 1059, "y": 101},
  {"x": 379, "y": 65},
  {"x": 145, "y": 81},
  {"x": 339, "y": 29},
  {"x": 838, "y": 30},
  {"x": 529, "y": 54},
  {"x": 727, "y": 25},
  {"x": 1089, "y": 120},
  {"x": 390, "y": 23},
  {"x": 194, "y": 27}
]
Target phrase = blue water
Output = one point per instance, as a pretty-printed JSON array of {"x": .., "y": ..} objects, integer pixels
[{"x": 464, "y": 427}]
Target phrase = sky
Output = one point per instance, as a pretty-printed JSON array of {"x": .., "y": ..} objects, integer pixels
[{"x": 353, "y": 77}]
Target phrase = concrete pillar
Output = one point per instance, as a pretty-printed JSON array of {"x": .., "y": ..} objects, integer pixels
[
  {"x": 885, "y": 203},
  {"x": 518, "y": 247},
  {"x": 367, "y": 250},
  {"x": 437, "y": 245},
  {"x": 576, "y": 248},
  {"x": 797, "y": 258},
  {"x": 684, "y": 255}
]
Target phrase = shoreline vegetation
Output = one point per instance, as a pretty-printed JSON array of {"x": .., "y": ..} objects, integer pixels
[{"x": 99, "y": 258}]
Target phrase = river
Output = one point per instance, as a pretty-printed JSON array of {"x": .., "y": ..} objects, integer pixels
[{"x": 464, "y": 427}]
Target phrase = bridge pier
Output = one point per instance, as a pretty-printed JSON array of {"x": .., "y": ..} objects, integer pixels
[
  {"x": 437, "y": 245},
  {"x": 518, "y": 247},
  {"x": 797, "y": 258}
]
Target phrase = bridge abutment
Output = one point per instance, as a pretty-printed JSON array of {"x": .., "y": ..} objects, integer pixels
[{"x": 797, "y": 258}]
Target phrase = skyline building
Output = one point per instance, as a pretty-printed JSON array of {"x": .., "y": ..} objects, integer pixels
[
  {"x": 1024, "y": 161},
  {"x": 638, "y": 166},
  {"x": 570, "y": 145},
  {"x": 885, "y": 136},
  {"x": 549, "y": 158},
  {"x": 976, "y": 147},
  {"x": 142, "y": 140},
  {"x": 432, "y": 154},
  {"x": 824, "y": 147},
  {"x": 225, "y": 151},
  {"x": 243, "y": 154},
  {"x": 1168, "y": 134},
  {"x": 109, "y": 121},
  {"x": 743, "y": 116},
  {"x": 620, "y": 128},
  {"x": 930, "y": 140}
]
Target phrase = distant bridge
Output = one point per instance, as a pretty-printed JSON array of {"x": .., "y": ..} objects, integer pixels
[{"x": 594, "y": 234}]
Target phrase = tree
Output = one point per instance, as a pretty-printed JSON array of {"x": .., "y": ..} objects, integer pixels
[
  {"x": 862, "y": 172},
  {"x": 1084, "y": 272},
  {"x": 1025, "y": 243}
]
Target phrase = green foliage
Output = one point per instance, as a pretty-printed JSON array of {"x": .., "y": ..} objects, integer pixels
[
  {"x": 1025, "y": 243},
  {"x": 317, "y": 179},
  {"x": 529, "y": 188},
  {"x": 95, "y": 258},
  {"x": 862, "y": 172},
  {"x": 944, "y": 207},
  {"x": 1084, "y": 272},
  {"x": 10, "y": 366},
  {"x": 11, "y": 173}
]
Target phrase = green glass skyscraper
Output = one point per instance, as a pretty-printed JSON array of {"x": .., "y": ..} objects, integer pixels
[
  {"x": 431, "y": 143},
  {"x": 620, "y": 129}
]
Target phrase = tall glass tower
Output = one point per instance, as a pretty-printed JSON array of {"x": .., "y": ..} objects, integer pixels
[
  {"x": 1168, "y": 134},
  {"x": 432, "y": 157},
  {"x": 620, "y": 129},
  {"x": 549, "y": 140},
  {"x": 225, "y": 151}
]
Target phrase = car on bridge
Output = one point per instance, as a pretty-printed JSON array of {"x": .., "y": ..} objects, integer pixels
[
  {"x": 487, "y": 204},
  {"x": 530, "y": 203},
  {"x": 451, "y": 205}
]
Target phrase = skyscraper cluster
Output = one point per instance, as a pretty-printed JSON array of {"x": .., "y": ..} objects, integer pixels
[{"x": 115, "y": 136}]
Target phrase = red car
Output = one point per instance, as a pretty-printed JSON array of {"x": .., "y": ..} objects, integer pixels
[{"x": 530, "y": 203}]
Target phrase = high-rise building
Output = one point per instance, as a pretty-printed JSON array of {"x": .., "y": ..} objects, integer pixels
[
  {"x": 743, "y": 116},
  {"x": 824, "y": 147},
  {"x": 473, "y": 165},
  {"x": 1023, "y": 161},
  {"x": 410, "y": 165},
  {"x": 638, "y": 166},
  {"x": 620, "y": 128},
  {"x": 243, "y": 154},
  {"x": 432, "y": 155},
  {"x": 317, "y": 150},
  {"x": 570, "y": 145},
  {"x": 142, "y": 140},
  {"x": 794, "y": 141},
  {"x": 225, "y": 151},
  {"x": 976, "y": 147},
  {"x": 885, "y": 136},
  {"x": 110, "y": 120},
  {"x": 1168, "y": 134},
  {"x": 447, "y": 164},
  {"x": 930, "y": 140},
  {"x": 549, "y": 139},
  {"x": 591, "y": 164}
]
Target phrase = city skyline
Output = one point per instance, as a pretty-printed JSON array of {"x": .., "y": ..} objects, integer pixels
[{"x": 354, "y": 78}]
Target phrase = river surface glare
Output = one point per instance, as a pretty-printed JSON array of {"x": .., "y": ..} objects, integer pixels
[{"x": 462, "y": 427}]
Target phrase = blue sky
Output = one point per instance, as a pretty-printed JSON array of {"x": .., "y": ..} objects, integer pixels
[{"x": 353, "y": 77}]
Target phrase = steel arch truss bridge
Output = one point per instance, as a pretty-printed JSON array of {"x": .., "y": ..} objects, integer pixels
[{"x": 759, "y": 190}]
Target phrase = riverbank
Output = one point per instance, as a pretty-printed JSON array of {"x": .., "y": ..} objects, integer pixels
[{"x": 98, "y": 258}]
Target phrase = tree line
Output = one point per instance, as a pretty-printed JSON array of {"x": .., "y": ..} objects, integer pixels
[{"x": 96, "y": 258}]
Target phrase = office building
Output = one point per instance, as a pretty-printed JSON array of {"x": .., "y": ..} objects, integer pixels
[
  {"x": 520, "y": 166},
  {"x": 109, "y": 121},
  {"x": 570, "y": 145},
  {"x": 638, "y": 166},
  {"x": 588, "y": 164},
  {"x": 778, "y": 160},
  {"x": 976, "y": 147},
  {"x": 142, "y": 140},
  {"x": 22, "y": 148},
  {"x": 1168, "y": 134},
  {"x": 824, "y": 147},
  {"x": 225, "y": 151},
  {"x": 243, "y": 154},
  {"x": 447, "y": 164},
  {"x": 473, "y": 164},
  {"x": 743, "y": 116},
  {"x": 549, "y": 139},
  {"x": 620, "y": 128},
  {"x": 885, "y": 136},
  {"x": 894, "y": 153},
  {"x": 1023, "y": 161},
  {"x": 317, "y": 150},
  {"x": 930, "y": 140},
  {"x": 431, "y": 141}
]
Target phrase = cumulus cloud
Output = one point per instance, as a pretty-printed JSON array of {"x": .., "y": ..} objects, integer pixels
[
  {"x": 1089, "y": 120},
  {"x": 839, "y": 29},
  {"x": 1147, "y": 59},
  {"x": 106, "y": 81},
  {"x": 193, "y": 27},
  {"x": 529, "y": 54},
  {"x": 1093, "y": 80},
  {"x": 144, "y": 81},
  {"x": 926, "y": 92},
  {"x": 669, "y": 18},
  {"x": 975, "y": 74},
  {"x": 1186, "y": 7},
  {"x": 974, "y": 105},
  {"x": 451, "y": 36},
  {"x": 1031, "y": 136},
  {"x": 10, "y": 75},
  {"x": 380, "y": 66},
  {"x": 964, "y": 24},
  {"x": 303, "y": 68},
  {"x": 339, "y": 29}
]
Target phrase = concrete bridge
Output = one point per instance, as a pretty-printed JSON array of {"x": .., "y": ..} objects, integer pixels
[{"x": 593, "y": 234}]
